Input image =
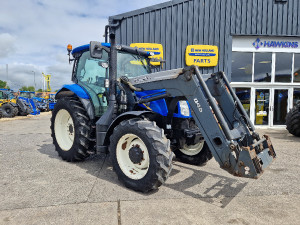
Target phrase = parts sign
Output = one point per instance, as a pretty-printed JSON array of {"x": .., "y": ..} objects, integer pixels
[{"x": 201, "y": 55}]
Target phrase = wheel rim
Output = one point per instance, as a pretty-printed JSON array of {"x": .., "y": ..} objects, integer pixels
[
  {"x": 126, "y": 146},
  {"x": 8, "y": 110},
  {"x": 192, "y": 149},
  {"x": 64, "y": 130}
]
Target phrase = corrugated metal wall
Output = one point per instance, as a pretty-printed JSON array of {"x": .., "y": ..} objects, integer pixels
[{"x": 176, "y": 24}]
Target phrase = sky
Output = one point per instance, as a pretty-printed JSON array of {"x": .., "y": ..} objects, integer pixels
[{"x": 34, "y": 35}]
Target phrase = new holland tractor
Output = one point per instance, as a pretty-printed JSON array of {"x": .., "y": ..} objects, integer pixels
[
  {"x": 117, "y": 106},
  {"x": 28, "y": 97}
]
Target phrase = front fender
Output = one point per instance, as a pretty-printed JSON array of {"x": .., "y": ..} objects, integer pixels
[
  {"x": 71, "y": 89},
  {"x": 13, "y": 104},
  {"x": 75, "y": 89}
]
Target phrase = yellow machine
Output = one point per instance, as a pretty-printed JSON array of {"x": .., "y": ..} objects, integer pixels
[{"x": 47, "y": 80}]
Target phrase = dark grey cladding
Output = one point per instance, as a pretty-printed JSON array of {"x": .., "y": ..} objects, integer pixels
[{"x": 176, "y": 24}]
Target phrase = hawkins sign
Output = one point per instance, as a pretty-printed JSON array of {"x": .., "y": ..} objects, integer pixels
[
  {"x": 274, "y": 44},
  {"x": 266, "y": 44}
]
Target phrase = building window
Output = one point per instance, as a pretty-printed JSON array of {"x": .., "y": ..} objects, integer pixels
[
  {"x": 263, "y": 67},
  {"x": 283, "y": 67},
  {"x": 244, "y": 96},
  {"x": 241, "y": 67},
  {"x": 297, "y": 68}
]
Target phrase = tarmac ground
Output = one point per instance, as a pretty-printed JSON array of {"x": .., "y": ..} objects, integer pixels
[{"x": 37, "y": 187}]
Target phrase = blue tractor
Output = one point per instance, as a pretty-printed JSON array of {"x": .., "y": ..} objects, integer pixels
[
  {"x": 28, "y": 97},
  {"x": 41, "y": 102},
  {"x": 117, "y": 106}
]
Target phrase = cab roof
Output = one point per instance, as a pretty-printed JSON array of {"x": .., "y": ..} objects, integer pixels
[{"x": 86, "y": 47}]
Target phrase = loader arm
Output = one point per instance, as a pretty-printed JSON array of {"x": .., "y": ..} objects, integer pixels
[{"x": 219, "y": 115}]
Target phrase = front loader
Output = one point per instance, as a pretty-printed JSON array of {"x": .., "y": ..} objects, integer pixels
[{"x": 118, "y": 106}]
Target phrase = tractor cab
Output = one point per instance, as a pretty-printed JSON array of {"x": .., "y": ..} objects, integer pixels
[
  {"x": 27, "y": 94},
  {"x": 92, "y": 74},
  {"x": 6, "y": 94}
]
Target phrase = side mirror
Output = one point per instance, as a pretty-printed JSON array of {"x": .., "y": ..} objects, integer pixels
[{"x": 96, "y": 49}]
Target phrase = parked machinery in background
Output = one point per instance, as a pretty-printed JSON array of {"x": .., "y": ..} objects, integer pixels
[
  {"x": 41, "y": 101},
  {"x": 28, "y": 97},
  {"x": 51, "y": 101},
  {"x": 11, "y": 105}
]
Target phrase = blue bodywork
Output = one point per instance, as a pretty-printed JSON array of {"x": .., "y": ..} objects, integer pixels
[
  {"x": 51, "y": 101},
  {"x": 77, "y": 89},
  {"x": 158, "y": 106},
  {"x": 41, "y": 103}
]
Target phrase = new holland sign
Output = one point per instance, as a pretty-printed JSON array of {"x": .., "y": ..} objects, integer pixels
[
  {"x": 157, "y": 49},
  {"x": 201, "y": 55}
]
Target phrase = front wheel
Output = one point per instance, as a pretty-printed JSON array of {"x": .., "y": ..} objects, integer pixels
[
  {"x": 140, "y": 154},
  {"x": 8, "y": 110},
  {"x": 71, "y": 130}
]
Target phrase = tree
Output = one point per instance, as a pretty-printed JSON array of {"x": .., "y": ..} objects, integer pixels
[
  {"x": 40, "y": 90},
  {"x": 3, "y": 84},
  {"x": 25, "y": 88},
  {"x": 31, "y": 88}
]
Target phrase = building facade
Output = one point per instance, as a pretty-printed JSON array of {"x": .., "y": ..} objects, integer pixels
[{"x": 258, "y": 42}]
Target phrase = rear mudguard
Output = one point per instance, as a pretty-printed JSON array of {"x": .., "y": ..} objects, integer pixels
[{"x": 103, "y": 134}]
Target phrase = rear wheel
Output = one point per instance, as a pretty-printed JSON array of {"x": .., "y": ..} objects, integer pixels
[
  {"x": 71, "y": 130},
  {"x": 197, "y": 154},
  {"x": 140, "y": 154},
  {"x": 293, "y": 120},
  {"x": 7, "y": 110}
]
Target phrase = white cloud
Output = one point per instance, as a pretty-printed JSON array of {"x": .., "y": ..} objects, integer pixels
[
  {"x": 7, "y": 45},
  {"x": 34, "y": 35}
]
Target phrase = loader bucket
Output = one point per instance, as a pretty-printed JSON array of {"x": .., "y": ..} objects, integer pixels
[{"x": 254, "y": 159}]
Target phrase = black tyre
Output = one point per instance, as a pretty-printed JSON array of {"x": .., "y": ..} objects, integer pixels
[
  {"x": 293, "y": 120},
  {"x": 23, "y": 108},
  {"x": 140, "y": 154},
  {"x": 197, "y": 154},
  {"x": 7, "y": 110},
  {"x": 23, "y": 113},
  {"x": 16, "y": 111},
  {"x": 71, "y": 130},
  {"x": 1, "y": 113}
]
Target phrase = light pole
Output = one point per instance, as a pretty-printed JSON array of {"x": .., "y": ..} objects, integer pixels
[{"x": 34, "y": 78}]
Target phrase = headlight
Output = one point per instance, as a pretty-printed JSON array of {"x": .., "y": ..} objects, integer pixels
[{"x": 184, "y": 108}]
